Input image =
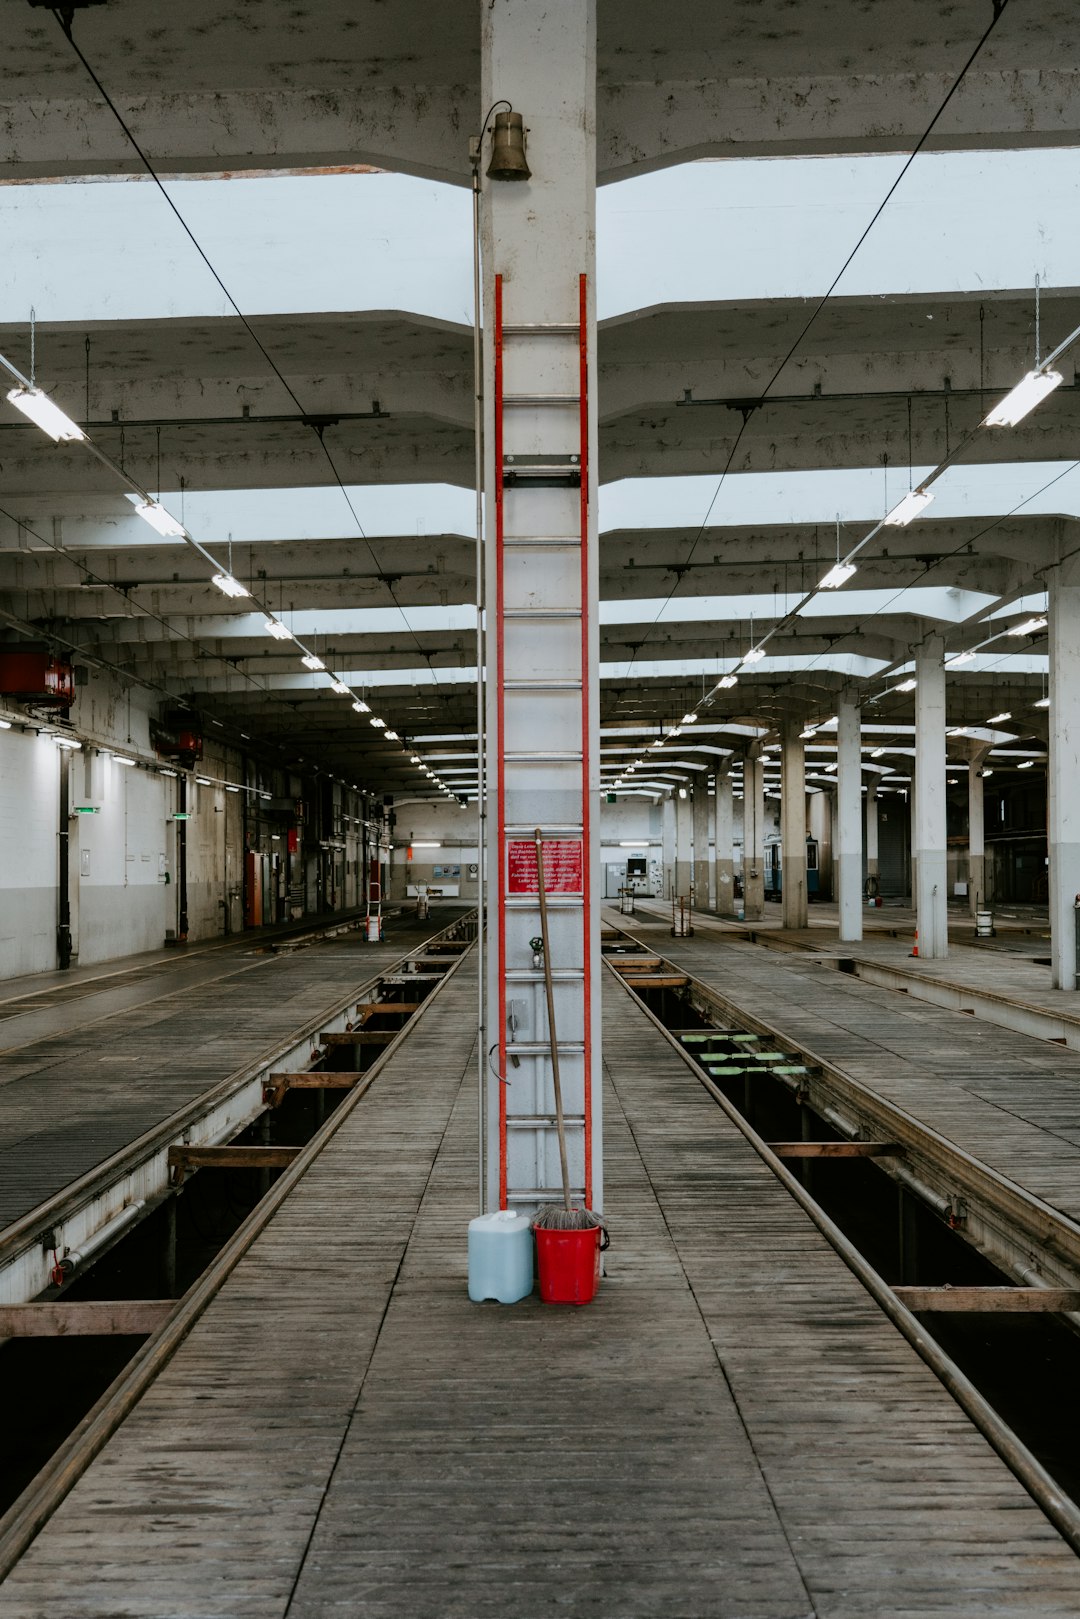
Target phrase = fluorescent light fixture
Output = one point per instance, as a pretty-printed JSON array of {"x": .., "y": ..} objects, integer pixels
[
  {"x": 377, "y": 722},
  {"x": 1042, "y": 702},
  {"x": 66, "y": 742},
  {"x": 907, "y": 685},
  {"x": 49, "y": 417},
  {"x": 727, "y": 681},
  {"x": 958, "y": 659},
  {"x": 1028, "y": 627},
  {"x": 154, "y": 513},
  {"x": 1029, "y": 392},
  {"x": 876, "y": 753},
  {"x": 997, "y": 719},
  {"x": 165, "y": 771},
  {"x": 230, "y": 586},
  {"x": 415, "y": 760},
  {"x": 634, "y": 843},
  {"x": 988, "y": 773},
  {"x": 653, "y": 745},
  {"x": 5, "y": 725},
  {"x": 682, "y": 792},
  {"x": 755, "y": 654},
  {"x": 340, "y": 687},
  {"x": 310, "y": 661},
  {"x": 392, "y": 736},
  {"x": 203, "y": 781},
  {"x": 915, "y": 501},
  {"x": 687, "y": 719},
  {"x": 360, "y": 707},
  {"x": 229, "y": 789},
  {"x": 1025, "y": 764},
  {"x": 838, "y": 575},
  {"x": 804, "y": 736},
  {"x": 274, "y": 627},
  {"x": 118, "y": 759},
  {"x": 957, "y": 730}
]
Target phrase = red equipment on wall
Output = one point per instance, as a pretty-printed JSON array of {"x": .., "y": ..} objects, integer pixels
[{"x": 36, "y": 677}]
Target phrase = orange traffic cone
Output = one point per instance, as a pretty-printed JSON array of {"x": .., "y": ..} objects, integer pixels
[{"x": 915, "y": 952}]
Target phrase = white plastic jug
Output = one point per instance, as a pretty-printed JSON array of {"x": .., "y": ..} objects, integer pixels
[{"x": 500, "y": 1257}]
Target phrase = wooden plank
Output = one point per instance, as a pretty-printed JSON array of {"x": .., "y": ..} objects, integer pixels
[
  {"x": 990, "y": 1300},
  {"x": 836, "y": 1149},
  {"x": 358, "y": 1037},
  {"x": 658, "y": 980},
  {"x": 182, "y": 1158},
  {"x": 367, "y": 1009},
  {"x": 99, "y": 1318},
  {"x": 277, "y": 1087}
]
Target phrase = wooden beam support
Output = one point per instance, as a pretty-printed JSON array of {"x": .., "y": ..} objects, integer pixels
[
  {"x": 367, "y": 1009},
  {"x": 276, "y": 1087},
  {"x": 990, "y": 1300},
  {"x": 99, "y": 1318},
  {"x": 358, "y": 1037},
  {"x": 836, "y": 1149},
  {"x": 645, "y": 980},
  {"x": 181, "y": 1159}
]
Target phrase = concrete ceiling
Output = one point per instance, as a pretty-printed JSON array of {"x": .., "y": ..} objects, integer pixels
[{"x": 388, "y": 392}]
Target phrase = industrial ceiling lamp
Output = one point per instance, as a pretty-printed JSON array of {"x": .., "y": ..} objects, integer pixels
[{"x": 508, "y": 148}]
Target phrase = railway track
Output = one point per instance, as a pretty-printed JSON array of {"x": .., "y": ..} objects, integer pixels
[{"x": 1034, "y": 1249}]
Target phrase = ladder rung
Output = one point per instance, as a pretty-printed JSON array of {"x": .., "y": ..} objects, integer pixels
[
  {"x": 541, "y": 612},
  {"x": 542, "y": 1048},
  {"x": 542, "y": 1121},
  {"x": 515, "y": 829},
  {"x": 570, "y": 543},
  {"x": 535, "y": 757},
  {"x": 542, "y": 328},
  {"x": 541, "y": 685},
  {"x": 531, "y": 902},
  {"x": 541, "y": 399},
  {"x": 535, "y": 975},
  {"x": 544, "y": 1194}
]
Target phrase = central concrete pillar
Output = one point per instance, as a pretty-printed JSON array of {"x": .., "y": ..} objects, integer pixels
[
  {"x": 931, "y": 894},
  {"x": 793, "y": 828},
  {"x": 684, "y": 818},
  {"x": 754, "y": 836},
  {"x": 849, "y": 883},
  {"x": 538, "y": 229},
  {"x": 724, "y": 848},
  {"x": 977, "y": 896},
  {"x": 702, "y": 841},
  {"x": 1064, "y": 797}
]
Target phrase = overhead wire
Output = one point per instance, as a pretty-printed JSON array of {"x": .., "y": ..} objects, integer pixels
[{"x": 999, "y": 7}]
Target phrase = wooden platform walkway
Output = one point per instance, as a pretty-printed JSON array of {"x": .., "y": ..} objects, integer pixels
[
  {"x": 731, "y": 1430},
  {"x": 81, "y": 1080},
  {"x": 1010, "y": 1100}
]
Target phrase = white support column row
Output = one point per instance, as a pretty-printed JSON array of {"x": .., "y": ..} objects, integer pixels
[
  {"x": 753, "y": 854},
  {"x": 1064, "y": 794},
  {"x": 849, "y": 816},
  {"x": 684, "y": 811},
  {"x": 793, "y": 828},
  {"x": 872, "y": 859},
  {"x": 931, "y": 910},
  {"x": 977, "y": 896},
  {"x": 724, "y": 900},
  {"x": 667, "y": 845},
  {"x": 702, "y": 842}
]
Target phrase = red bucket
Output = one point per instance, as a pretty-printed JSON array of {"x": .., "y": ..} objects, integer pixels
[{"x": 569, "y": 1264}]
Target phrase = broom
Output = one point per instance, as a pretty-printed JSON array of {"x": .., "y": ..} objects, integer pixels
[{"x": 551, "y": 1217}]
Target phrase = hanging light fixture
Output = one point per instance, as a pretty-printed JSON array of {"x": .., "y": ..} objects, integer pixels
[
  {"x": 229, "y": 586},
  {"x": 44, "y": 414},
  {"x": 310, "y": 661},
  {"x": 274, "y": 627},
  {"x": 906, "y": 510},
  {"x": 154, "y": 513},
  {"x": 1030, "y": 391}
]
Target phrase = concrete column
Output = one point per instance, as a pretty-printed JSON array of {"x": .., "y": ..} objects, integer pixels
[
  {"x": 754, "y": 836},
  {"x": 702, "y": 841},
  {"x": 931, "y": 889},
  {"x": 543, "y": 729},
  {"x": 913, "y": 862},
  {"x": 976, "y": 832},
  {"x": 793, "y": 828},
  {"x": 667, "y": 845},
  {"x": 684, "y": 813},
  {"x": 1064, "y": 794},
  {"x": 725, "y": 844},
  {"x": 849, "y": 841},
  {"x": 872, "y": 832}
]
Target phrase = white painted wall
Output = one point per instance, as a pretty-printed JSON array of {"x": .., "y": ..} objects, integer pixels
[
  {"x": 29, "y": 797},
  {"x": 437, "y": 821}
]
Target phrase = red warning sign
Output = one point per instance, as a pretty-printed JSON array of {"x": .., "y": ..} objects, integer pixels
[{"x": 563, "y": 872}]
